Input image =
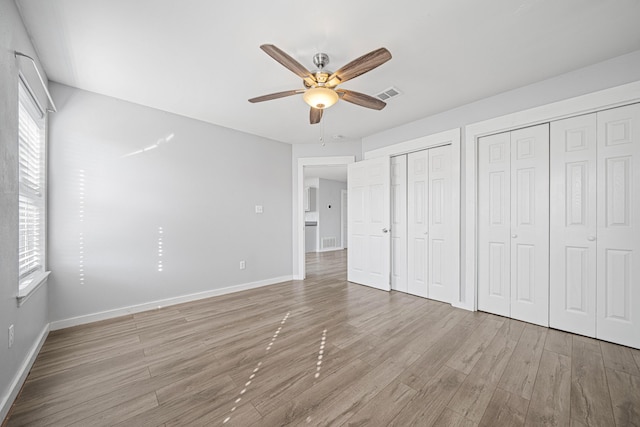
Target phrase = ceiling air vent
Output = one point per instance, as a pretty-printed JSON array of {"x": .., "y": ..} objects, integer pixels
[{"x": 386, "y": 94}]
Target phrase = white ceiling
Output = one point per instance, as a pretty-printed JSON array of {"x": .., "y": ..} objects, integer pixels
[{"x": 201, "y": 58}]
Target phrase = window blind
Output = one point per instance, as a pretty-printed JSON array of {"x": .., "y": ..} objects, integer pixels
[{"x": 31, "y": 173}]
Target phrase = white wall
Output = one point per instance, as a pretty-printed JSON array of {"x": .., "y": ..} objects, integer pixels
[
  {"x": 329, "y": 194},
  {"x": 603, "y": 75},
  {"x": 199, "y": 182},
  {"x": 31, "y": 319},
  {"x": 614, "y": 72},
  {"x": 333, "y": 149}
]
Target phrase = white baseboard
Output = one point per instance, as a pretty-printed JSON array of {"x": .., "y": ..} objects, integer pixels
[
  {"x": 331, "y": 249},
  {"x": 462, "y": 305},
  {"x": 109, "y": 314},
  {"x": 21, "y": 375}
]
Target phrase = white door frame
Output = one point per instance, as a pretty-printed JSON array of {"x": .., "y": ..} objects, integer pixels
[
  {"x": 604, "y": 99},
  {"x": 449, "y": 137},
  {"x": 343, "y": 219},
  {"x": 299, "y": 258}
]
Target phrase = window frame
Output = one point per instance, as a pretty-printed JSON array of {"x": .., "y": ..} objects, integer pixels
[{"x": 28, "y": 103}]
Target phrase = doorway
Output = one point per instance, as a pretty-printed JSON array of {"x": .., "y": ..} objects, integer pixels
[{"x": 319, "y": 227}]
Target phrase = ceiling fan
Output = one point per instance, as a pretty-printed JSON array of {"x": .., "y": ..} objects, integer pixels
[{"x": 321, "y": 90}]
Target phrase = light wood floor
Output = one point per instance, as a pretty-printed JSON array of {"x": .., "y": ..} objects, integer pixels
[{"x": 326, "y": 352}]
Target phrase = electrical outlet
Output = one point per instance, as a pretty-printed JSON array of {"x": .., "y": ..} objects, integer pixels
[
  {"x": 11, "y": 336},
  {"x": 243, "y": 265}
]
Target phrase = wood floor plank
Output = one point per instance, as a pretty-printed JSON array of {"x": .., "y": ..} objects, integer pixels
[
  {"x": 386, "y": 359},
  {"x": 581, "y": 343},
  {"x": 519, "y": 375},
  {"x": 342, "y": 406},
  {"x": 559, "y": 342},
  {"x": 590, "y": 399},
  {"x": 449, "y": 418},
  {"x": 551, "y": 399},
  {"x": 119, "y": 413},
  {"x": 431, "y": 400},
  {"x": 619, "y": 358},
  {"x": 474, "y": 395},
  {"x": 385, "y": 406},
  {"x": 636, "y": 356},
  {"x": 288, "y": 411},
  {"x": 625, "y": 397},
  {"x": 447, "y": 340},
  {"x": 468, "y": 355},
  {"x": 281, "y": 389},
  {"x": 505, "y": 409}
]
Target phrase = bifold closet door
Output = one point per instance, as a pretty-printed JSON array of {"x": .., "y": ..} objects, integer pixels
[
  {"x": 399, "y": 223},
  {"x": 417, "y": 221},
  {"x": 513, "y": 224},
  {"x": 429, "y": 223},
  {"x": 439, "y": 234},
  {"x": 572, "y": 269},
  {"x": 618, "y": 244},
  {"x": 494, "y": 224}
]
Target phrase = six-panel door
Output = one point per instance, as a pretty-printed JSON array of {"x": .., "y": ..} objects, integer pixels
[
  {"x": 513, "y": 224},
  {"x": 572, "y": 286},
  {"x": 369, "y": 254},
  {"x": 439, "y": 285},
  {"x": 418, "y": 222},
  {"x": 399, "y": 223},
  {"x": 618, "y": 244}
]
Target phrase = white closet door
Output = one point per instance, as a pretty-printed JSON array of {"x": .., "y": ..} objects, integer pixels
[
  {"x": 369, "y": 254},
  {"x": 618, "y": 290},
  {"x": 494, "y": 222},
  {"x": 513, "y": 224},
  {"x": 399, "y": 223},
  {"x": 439, "y": 215},
  {"x": 417, "y": 221},
  {"x": 572, "y": 269},
  {"x": 530, "y": 224}
]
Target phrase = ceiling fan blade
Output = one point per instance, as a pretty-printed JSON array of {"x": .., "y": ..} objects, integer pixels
[
  {"x": 288, "y": 62},
  {"x": 276, "y": 95},
  {"x": 359, "y": 66},
  {"x": 315, "y": 115},
  {"x": 361, "y": 99}
]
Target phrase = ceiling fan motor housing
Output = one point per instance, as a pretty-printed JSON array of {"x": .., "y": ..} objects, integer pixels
[{"x": 320, "y": 60}]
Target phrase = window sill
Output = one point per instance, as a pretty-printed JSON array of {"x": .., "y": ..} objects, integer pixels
[{"x": 34, "y": 284}]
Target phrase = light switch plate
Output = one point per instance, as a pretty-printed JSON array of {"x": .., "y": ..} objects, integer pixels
[{"x": 258, "y": 209}]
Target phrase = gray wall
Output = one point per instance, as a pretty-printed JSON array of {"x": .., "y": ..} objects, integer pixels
[
  {"x": 120, "y": 171},
  {"x": 31, "y": 319},
  {"x": 329, "y": 193}
]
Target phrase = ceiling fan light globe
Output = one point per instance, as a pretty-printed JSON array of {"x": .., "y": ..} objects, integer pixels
[{"x": 320, "y": 97}]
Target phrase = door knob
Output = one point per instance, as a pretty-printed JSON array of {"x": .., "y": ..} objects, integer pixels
[
  {"x": 385, "y": 230},
  {"x": 513, "y": 236},
  {"x": 591, "y": 238},
  {"x": 426, "y": 232}
]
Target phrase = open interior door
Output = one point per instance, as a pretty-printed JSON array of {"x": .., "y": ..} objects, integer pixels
[{"x": 369, "y": 248}]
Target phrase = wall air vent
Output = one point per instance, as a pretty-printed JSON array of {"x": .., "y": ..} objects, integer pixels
[{"x": 387, "y": 94}]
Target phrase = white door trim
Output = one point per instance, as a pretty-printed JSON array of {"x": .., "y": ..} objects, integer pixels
[
  {"x": 343, "y": 219},
  {"x": 451, "y": 137},
  {"x": 299, "y": 257},
  {"x": 604, "y": 99}
]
